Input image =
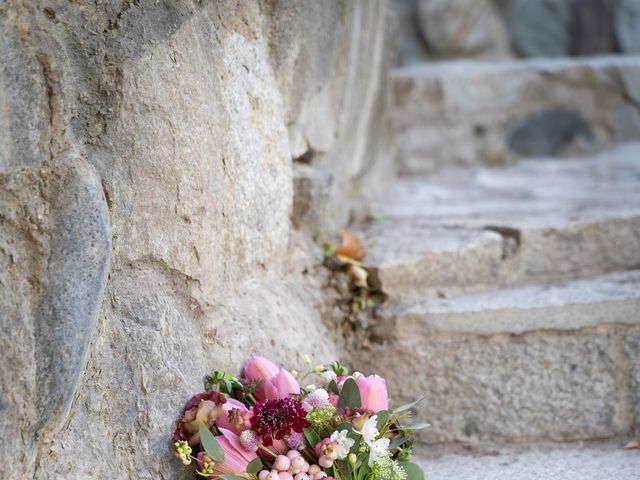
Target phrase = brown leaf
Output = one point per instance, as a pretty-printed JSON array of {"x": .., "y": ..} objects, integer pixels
[
  {"x": 633, "y": 444},
  {"x": 350, "y": 247}
]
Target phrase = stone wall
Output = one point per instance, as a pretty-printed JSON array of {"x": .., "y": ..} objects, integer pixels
[
  {"x": 163, "y": 168},
  {"x": 502, "y": 29}
]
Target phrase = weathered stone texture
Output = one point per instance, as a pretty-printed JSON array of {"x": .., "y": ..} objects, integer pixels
[
  {"x": 147, "y": 151},
  {"x": 542, "y": 385},
  {"x": 462, "y": 112}
]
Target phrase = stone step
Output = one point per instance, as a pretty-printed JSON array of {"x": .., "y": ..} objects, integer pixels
[
  {"x": 552, "y": 363},
  {"x": 466, "y": 112},
  {"x": 608, "y": 299},
  {"x": 541, "y": 220},
  {"x": 574, "y": 462}
]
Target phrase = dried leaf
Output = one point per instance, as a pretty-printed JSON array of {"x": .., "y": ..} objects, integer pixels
[
  {"x": 632, "y": 445},
  {"x": 350, "y": 247}
]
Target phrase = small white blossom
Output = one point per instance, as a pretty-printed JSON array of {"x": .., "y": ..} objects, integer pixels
[
  {"x": 370, "y": 430},
  {"x": 378, "y": 449},
  {"x": 329, "y": 375},
  {"x": 343, "y": 442}
]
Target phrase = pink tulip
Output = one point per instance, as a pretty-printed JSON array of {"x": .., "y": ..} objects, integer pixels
[
  {"x": 236, "y": 458},
  {"x": 260, "y": 368},
  {"x": 281, "y": 385},
  {"x": 223, "y": 420},
  {"x": 373, "y": 392}
]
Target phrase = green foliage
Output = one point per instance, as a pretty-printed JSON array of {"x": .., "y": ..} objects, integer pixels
[
  {"x": 408, "y": 406},
  {"x": 414, "y": 472},
  {"x": 255, "y": 466},
  {"x": 230, "y": 386},
  {"x": 321, "y": 417},
  {"x": 210, "y": 444},
  {"x": 350, "y": 395}
]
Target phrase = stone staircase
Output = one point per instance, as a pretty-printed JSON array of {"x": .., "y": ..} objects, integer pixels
[{"x": 514, "y": 290}]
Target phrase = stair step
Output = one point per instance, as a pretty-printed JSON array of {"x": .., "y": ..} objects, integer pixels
[
  {"x": 589, "y": 462},
  {"x": 608, "y": 299},
  {"x": 551, "y": 363},
  {"x": 541, "y": 220},
  {"x": 481, "y": 385},
  {"x": 465, "y": 112}
]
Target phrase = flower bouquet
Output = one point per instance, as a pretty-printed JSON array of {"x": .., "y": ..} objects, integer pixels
[{"x": 265, "y": 426}]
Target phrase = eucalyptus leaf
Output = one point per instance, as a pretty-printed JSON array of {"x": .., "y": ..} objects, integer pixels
[
  {"x": 350, "y": 395},
  {"x": 210, "y": 444},
  {"x": 311, "y": 435},
  {"x": 414, "y": 472},
  {"x": 255, "y": 465},
  {"x": 382, "y": 418},
  {"x": 397, "y": 441},
  {"x": 408, "y": 406},
  {"x": 417, "y": 426},
  {"x": 333, "y": 387}
]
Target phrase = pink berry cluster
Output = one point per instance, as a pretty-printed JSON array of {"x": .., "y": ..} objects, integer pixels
[{"x": 293, "y": 466}]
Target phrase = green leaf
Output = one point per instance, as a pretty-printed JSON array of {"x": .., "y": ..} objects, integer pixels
[
  {"x": 397, "y": 441},
  {"x": 350, "y": 395},
  {"x": 210, "y": 444},
  {"x": 408, "y": 406},
  {"x": 381, "y": 421},
  {"x": 230, "y": 476},
  {"x": 417, "y": 426},
  {"x": 333, "y": 387},
  {"x": 312, "y": 437},
  {"x": 255, "y": 465},
  {"x": 414, "y": 472}
]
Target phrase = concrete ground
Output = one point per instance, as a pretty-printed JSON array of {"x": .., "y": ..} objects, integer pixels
[{"x": 592, "y": 462}]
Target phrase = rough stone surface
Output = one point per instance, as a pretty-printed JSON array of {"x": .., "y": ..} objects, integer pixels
[
  {"x": 627, "y": 25},
  {"x": 602, "y": 300},
  {"x": 463, "y": 112},
  {"x": 543, "y": 385},
  {"x": 468, "y": 28},
  {"x": 485, "y": 227},
  {"x": 162, "y": 135},
  {"x": 540, "y": 28},
  {"x": 592, "y": 27},
  {"x": 575, "y": 462},
  {"x": 548, "y": 132}
]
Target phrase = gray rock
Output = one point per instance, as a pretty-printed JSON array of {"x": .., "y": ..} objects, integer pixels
[
  {"x": 78, "y": 263},
  {"x": 539, "y": 28},
  {"x": 548, "y": 132},
  {"x": 592, "y": 27},
  {"x": 627, "y": 25},
  {"x": 468, "y": 28},
  {"x": 463, "y": 112}
]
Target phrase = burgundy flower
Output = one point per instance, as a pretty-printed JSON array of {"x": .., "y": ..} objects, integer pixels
[
  {"x": 273, "y": 419},
  {"x": 201, "y": 408}
]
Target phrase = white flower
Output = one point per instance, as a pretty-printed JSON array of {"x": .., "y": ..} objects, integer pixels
[
  {"x": 370, "y": 430},
  {"x": 343, "y": 443},
  {"x": 378, "y": 449},
  {"x": 329, "y": 375}
]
